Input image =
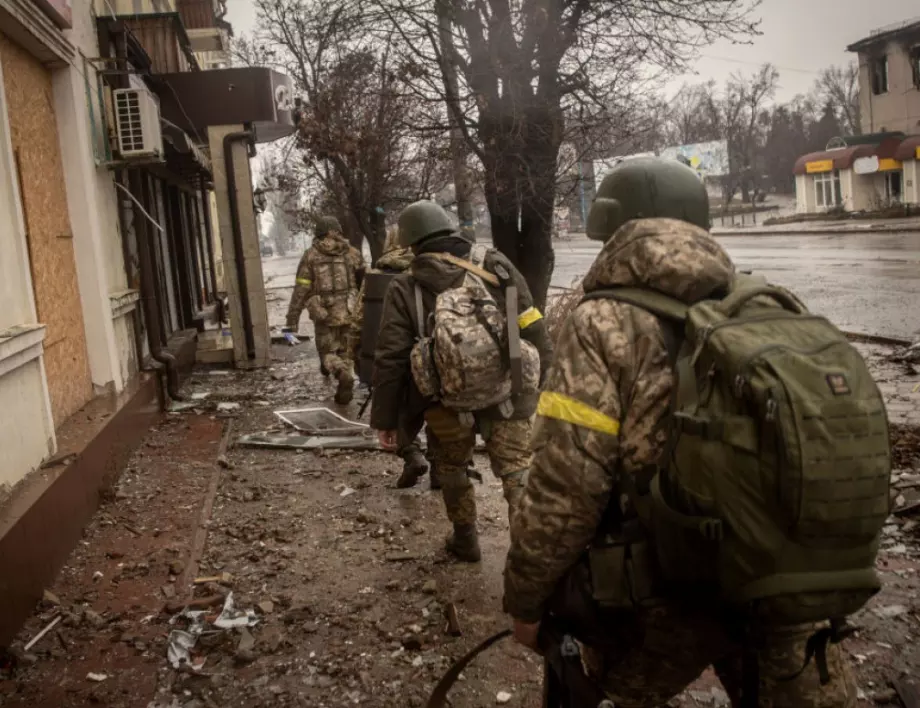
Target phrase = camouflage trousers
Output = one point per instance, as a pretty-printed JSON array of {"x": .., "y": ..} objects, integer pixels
[
  {"x": 508, "y": 447},
  {"x": 667, "y": 648},
  {"x": 332, "y": 345}
]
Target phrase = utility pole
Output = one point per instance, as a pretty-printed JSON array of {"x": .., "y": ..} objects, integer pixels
[{"x": 457, "y": 141}]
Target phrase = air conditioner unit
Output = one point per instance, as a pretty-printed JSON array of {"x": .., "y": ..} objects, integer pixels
[{"x": 137, "y": 118}]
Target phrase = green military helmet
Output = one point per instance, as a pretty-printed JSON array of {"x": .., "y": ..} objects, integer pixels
[
  {"x": 420, "y": 220},
  {"x": 325, "y": 224},
  {"x": 645, "y": 188}
]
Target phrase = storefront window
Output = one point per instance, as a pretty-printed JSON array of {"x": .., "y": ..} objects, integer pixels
[{"x": 827, "y": 190}]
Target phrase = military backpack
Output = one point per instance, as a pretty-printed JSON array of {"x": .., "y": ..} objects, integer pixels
[
  {"x": 774, "y": 485},
  {"x": 466, "y": 355}
]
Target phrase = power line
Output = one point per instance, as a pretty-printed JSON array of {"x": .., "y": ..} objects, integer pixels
[{"x": 759, "y": 63}]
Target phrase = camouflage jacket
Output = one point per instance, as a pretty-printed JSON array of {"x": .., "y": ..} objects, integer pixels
[
  {"x": 393, "y": 384},
  {"x": 604, "y": 405},
  {"x": 327, "y": 281}
]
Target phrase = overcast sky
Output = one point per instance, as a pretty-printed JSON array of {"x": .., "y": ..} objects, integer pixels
[{"x": 800, "y": 37}]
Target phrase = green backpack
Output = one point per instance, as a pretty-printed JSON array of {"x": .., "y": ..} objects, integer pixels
[{"x": 775, "y": 482}]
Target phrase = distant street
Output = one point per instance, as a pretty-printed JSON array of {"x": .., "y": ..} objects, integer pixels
[{"x": 867, "y": 283}]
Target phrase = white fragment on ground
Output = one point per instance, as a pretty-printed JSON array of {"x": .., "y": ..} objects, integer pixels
[
  {"x": 347, "y": 492},
  {"x": 200, "y": 395},
  {"x": 502, "y": 697},
  {"x": 231, "y": 617},
  {"x": 227, "y": 406},
  {"x": 179, "y": 649},
  {"x": 98, "y": 678},
  {"x": 890, "y": 611}
]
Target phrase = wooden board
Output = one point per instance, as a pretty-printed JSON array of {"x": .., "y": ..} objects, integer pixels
[{"x": 33, "y": 129}]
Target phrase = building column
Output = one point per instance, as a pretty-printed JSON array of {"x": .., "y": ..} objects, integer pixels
[
  {"x": 255, "y": 351},
  {"x": 80, "y": 178}
]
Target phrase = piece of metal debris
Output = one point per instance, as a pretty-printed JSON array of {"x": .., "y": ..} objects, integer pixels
[
  {"x": 308, "y": 442},
  {"x": 37, "y": 637},
  {"x": 321, "y": 421}
]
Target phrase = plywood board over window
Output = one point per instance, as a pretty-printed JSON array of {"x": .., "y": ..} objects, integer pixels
[{"x": 33, "y": 129}]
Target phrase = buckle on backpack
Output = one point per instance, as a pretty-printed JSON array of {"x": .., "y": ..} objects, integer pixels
[{"x": 711, "y": 529}]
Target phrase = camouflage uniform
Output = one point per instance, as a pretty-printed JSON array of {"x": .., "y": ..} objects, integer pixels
[
  {"x": 602, "y": 416},
  {"x": 327, "y": 285},
  {"x": 429, "y": 231}
]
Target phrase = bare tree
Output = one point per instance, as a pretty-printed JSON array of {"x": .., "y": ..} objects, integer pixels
[
  {"x": 356, "y": 148},
  {"x": 533, "y": 74},
  {"x": 839, "y": 86}
]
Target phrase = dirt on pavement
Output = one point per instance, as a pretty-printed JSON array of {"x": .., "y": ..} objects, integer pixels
[{"x": 345, "y": 576}]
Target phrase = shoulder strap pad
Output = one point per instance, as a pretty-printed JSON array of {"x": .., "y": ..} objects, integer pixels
[
  {"x": 478, "y": 254},
  {"x": 490, "y": 278},
  {"x": 657, "y": 303}
]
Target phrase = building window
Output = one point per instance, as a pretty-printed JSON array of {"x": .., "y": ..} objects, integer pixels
[
  {"x": 880, "y": 75},
  {"x": 827, "y": 190}
]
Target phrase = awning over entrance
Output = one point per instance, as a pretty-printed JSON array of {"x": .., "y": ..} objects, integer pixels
[
  {"x": 829, "y": 160},
  {"x": 884, "y": 154},
  {"x": 909, "y": 149}
]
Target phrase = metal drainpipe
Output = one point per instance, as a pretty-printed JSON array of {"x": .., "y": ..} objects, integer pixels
[
  {"x": 151, "y": 301},
  {"x": 236, "y": 229}
]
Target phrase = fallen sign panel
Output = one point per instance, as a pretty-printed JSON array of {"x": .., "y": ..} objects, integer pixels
[
  {"x": 308, "y": 442},
  {"x": 321, "y": 421}
]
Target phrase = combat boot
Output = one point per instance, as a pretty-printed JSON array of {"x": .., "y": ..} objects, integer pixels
[
  {"x": 414, "y": 467},
  {"x": 464, "y": 543},
  {"x": 346, "y": 389}
]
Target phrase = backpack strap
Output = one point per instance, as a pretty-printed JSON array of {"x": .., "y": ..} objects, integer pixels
[
  {"x": 419, "y": 311},
  {"x": 468, "y": 266}
]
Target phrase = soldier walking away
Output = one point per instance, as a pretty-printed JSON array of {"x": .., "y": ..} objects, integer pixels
[
  {"x": 327, "y": 282},
  {"x": 450, "y": 316},
  {"x": 365, "y": 324},
  {"x": 722, "y": 455}
]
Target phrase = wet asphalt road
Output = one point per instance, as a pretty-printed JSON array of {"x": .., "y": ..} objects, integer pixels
[{"x": 867, "y": 283}]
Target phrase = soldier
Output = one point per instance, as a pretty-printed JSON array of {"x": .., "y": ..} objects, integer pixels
[
  {"x": 395, "y": 259},
  {"x": 601, "y": 426},
  {"x": 438, "y": 248},
  {"x": 327, "y": 285}
]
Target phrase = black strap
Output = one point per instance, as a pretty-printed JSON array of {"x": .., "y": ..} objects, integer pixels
[
  {"x": 816, "y": 648},
  {"x": 439, "y": 695}
]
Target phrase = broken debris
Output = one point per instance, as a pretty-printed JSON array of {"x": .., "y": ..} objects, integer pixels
[{"x": 322, "y": 421}]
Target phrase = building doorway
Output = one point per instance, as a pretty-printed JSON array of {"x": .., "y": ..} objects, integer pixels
[{"x": 894, "y": 187}]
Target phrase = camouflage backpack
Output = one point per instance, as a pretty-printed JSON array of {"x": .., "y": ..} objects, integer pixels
[
  {"x": 775, "y": 482},
  {"x": 472, "y": 359}
]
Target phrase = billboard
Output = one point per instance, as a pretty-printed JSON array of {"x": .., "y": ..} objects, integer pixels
[
  {"x": 708, "y": 159},
  {"x": 602, "y": 167}
]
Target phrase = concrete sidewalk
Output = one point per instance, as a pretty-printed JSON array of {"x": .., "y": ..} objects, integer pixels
[{"x": 824, "y": 227}]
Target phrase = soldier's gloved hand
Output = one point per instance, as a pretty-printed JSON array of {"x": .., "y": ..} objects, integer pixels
[
  {"x": 387, "y": 439},
  {"x": 526, "y": 634}
]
